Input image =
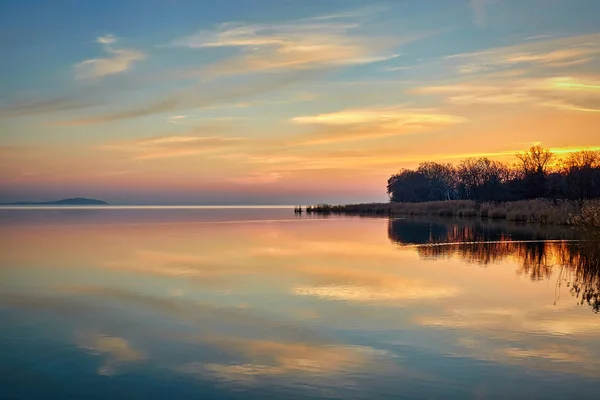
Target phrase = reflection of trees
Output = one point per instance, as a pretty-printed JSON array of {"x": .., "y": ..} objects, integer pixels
[
  {"x": 581, "y": 262},
  {"x": 537, "y": 255}
]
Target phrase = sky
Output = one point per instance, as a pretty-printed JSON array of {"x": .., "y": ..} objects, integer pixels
[{"x": 180, "y": 102}]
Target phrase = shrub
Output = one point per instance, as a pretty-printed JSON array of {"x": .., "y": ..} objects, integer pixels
[{"x": 590, "y": 214}]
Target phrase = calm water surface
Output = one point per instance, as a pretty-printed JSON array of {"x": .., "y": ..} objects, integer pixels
[{"x": 258, "y": 303}]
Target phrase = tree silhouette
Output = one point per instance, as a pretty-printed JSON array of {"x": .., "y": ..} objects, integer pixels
[{"x": 538, "y": 173}]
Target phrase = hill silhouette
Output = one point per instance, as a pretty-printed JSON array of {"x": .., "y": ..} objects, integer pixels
[{"x": 77, "y": 201}]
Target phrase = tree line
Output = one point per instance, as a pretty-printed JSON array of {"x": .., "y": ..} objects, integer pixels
[{"x": 536, "y": 173}]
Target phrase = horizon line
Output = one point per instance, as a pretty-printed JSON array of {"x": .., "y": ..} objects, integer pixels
[{"x": 149, "y": 206}]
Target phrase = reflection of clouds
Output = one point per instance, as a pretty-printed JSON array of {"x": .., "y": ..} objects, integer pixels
[
  {"x": 275, "y": 322},
  {"x": 296, "y": 356},
  {"x": 167, "y": 263},
  {"x": 210, "y": 318},
  {"x": 264, "y": 347},
  {"x": 538, "y": 338},
  {"x": 327, "y": 248},
  {"x": 115, "y": 350},
  {"x": 262, "y": 358},
  {"x": 358, "y": 293},
  {"x": 553, "y": 353},
  {"x": 533, "y": 321},
  {"x": 245, "y": 373},
  {"x": 562, "y": 358},
  {"x": 369, "y": 285},
  {"x": 568, "y": 326}
]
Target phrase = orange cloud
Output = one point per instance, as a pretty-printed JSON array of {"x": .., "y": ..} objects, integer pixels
[
  {"x": 367, "y": 123},
  {"x": 173, "y": 146},
  {"x": 559, "y": 92}
]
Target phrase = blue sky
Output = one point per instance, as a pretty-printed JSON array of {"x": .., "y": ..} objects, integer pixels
[{"x": 187, "y": 102}]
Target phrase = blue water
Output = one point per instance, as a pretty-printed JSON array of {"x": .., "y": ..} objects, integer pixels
[{"x": 201, "y": 303}]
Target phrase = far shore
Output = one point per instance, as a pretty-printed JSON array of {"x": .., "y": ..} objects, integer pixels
[{"x": 556, "y": 212}]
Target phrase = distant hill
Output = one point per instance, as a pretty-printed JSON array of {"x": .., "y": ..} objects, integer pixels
[{"x": 77, "y": 201}]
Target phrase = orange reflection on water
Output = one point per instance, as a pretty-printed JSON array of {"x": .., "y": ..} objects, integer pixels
[{"x": 270, "y": 295}]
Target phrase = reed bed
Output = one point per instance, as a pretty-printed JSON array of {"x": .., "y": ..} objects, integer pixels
[{"x": 557, "y": 212}]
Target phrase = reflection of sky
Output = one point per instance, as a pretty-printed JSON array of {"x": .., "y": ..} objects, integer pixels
[{"x": 326, "y": 305}]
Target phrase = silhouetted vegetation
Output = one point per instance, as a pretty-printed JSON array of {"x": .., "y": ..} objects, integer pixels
[
  {"x": 538, "y": 173},
  {"x": 543, "y": 211},
  {"x": 538, "y": 187},
  {"x": 540, "y": 252}
]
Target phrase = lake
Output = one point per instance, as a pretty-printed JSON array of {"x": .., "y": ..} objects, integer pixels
[{"x": 257, "y": 303}]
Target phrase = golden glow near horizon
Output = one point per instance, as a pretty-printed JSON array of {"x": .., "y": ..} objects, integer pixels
[{"x": 313, "y": 107}]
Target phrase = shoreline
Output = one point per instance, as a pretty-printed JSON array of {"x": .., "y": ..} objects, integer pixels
[{"x": 552, "y": 212}]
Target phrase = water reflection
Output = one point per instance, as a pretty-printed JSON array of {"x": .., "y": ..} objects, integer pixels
[
  {"x": 539, "y": 251},
  {"x": 255, "y": 304}
]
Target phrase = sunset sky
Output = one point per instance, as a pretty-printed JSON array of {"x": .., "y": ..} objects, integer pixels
[{"x": 282, "y": 101}]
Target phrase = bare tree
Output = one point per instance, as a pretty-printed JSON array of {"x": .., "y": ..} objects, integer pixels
[{"x": 537, "y": 160}]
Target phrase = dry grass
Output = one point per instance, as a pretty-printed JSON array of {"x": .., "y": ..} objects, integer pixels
[
  {"x": 542, "y": 211},
  {"x": 589, "y": 215}
]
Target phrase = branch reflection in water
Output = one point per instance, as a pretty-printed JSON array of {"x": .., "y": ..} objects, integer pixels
[{"x": 575, "y": 255}]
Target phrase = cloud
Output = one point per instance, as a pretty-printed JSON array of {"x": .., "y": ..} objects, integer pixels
[
  {"x": 119, "y": 60},
  {"x": 561, "y": 105},
  {"x": 176, "y": 119},
  {"x": 173, "y": 146},
  {"x": 202, "y": 96},
  {"x": 553, "y": 53},
  {"x": 306, "y": 44},
  {"x": 107, "y": 39},
  {"x": 559, "y": 92},
  {"x": 365, "y": 123},
  {"x": 258, "y": 178},
  {"x": 389, "y": 116},
  {"x": 172, "y": 140},
  {"x": 540, "y": 37},
  {"x": 38, "y": 106}
]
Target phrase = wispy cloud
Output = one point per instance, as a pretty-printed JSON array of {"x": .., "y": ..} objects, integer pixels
[
  {"x": 388, "y": 116},
  {"x": 41, "y": 105},
  {"x": 201, "y": 96},
  {"x": 352, "y": 14},
  {"x": 257, "y": 178},
  {"x": 563, "y": 93},
  {"x": 118, "y": 60},
  {"x": 173, "y": 146},
  {"x": 540, "y": 37},
  {"x": 306, "y": 44},
  {"x": 176, "y": 119},
  {"x": 546, "y": 53},
  {"x": 107, "y": 39},
  {"x": 366, "y": 123}
]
